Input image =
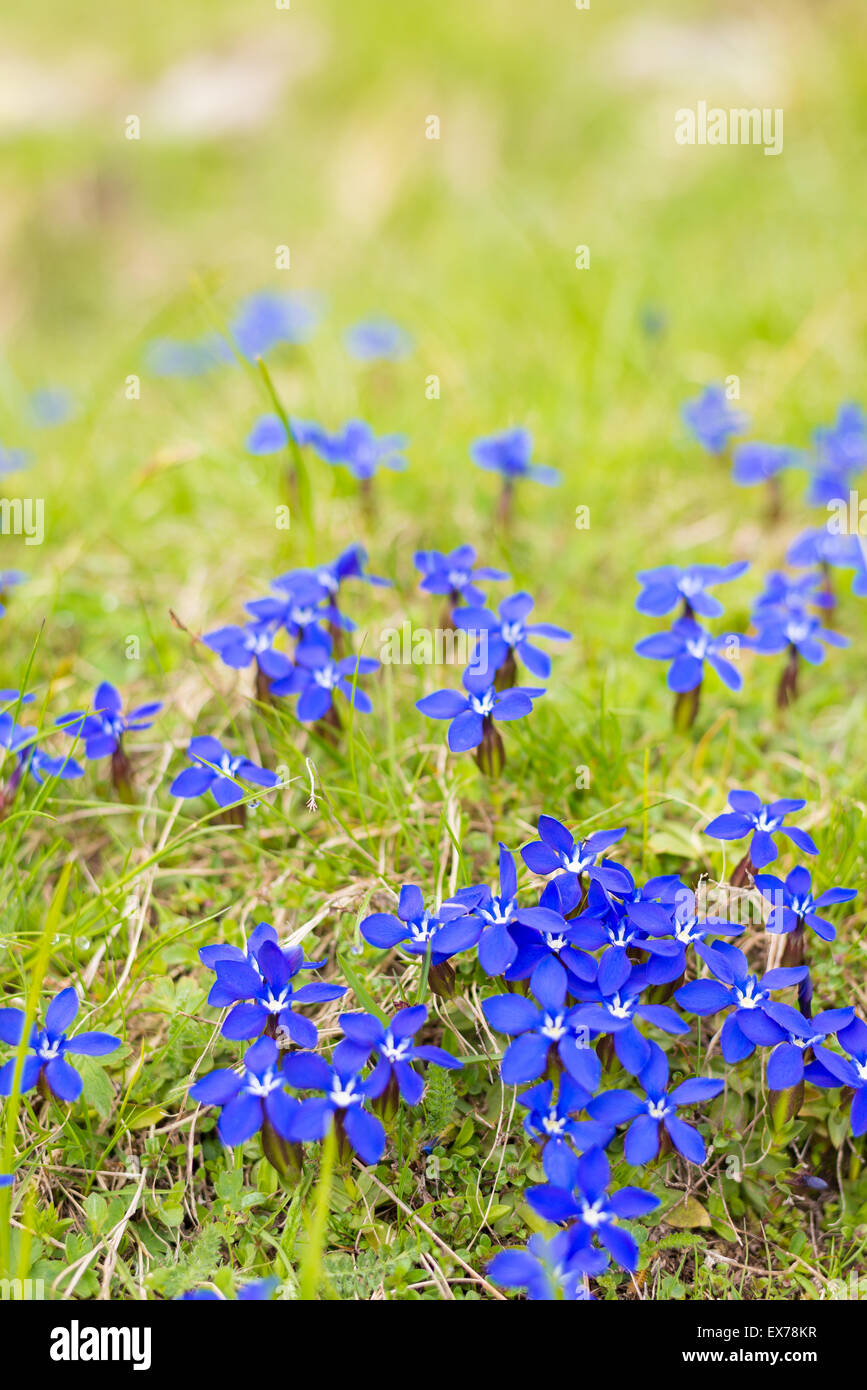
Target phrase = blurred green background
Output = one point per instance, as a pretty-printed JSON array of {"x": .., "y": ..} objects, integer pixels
[{"x": 306, "y": 127}]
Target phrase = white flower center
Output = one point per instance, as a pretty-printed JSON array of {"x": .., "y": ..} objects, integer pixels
[
  {"x": 344, "y": 1096},
  {"x": 553, "y": 1124},
  {"x": 593, "y": 1214},
  {"x": 512, "y": 633},
  {"x": 752, "y": 997},
  {"x": 327, "y": 676},
  {"x": 483, "y": 704},
  {"x": 262, "y": 1086},
  {"x": 657, "y": 1109},
  {"x": 620, "y": 1008},
  {"x": 396, "y": 1051},
  {"x": 553, "y": 1028}
]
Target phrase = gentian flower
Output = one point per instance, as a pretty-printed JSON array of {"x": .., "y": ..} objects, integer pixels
[
  {"x": 783, "y": 597},
  {"x": 498, "y": 913},
  {"x": 443, "y": 932},
  {"x": 712, "y": 421},
  {"x": 265, "y": 319},
  {"x": 621, "y": 927},
  {"x": 557, "y": 849},
  {"x": 688, "y": 646},
  {"x": 9, "y": 579},
  {"x": 832, "y": 1071},
  {"x": 509, "y": 454},
  {"x": 581, "y": 1198},
  {"x": 21, "y": 740},
  {"x": 821, "y": 546},
  {"x": 507, "y": 635},
  {"x": 542, "y": 932},
  {"x": 800, "y": 633},
  {"x": 668, "y": 585},
  {"x": 49, "y": 1047},
  {"x": 796, "y": 1037},
  {"x": 50, "y": 406},
  {"x": 613, "y": 1004},
  {"x": 548, "y": 1269},
  {"x": 687, "y": 929},
  {"x": 377, "y": 340},
  {"x": 316, "y": 676},
  {"x": 102, "y": 731},
  {"x": 470, "y": 714},
  {"x": 12, "y": 460},
  {"x": 343, "y": 1101},
  {"x": 541, "y": 1029},
  {"x": 841, "y": 451},
  {"x": 760, "y": 463},
  {"x": 735, "y": 988},
  {"x": 268, "y": 435},
  {"x": 794, "y": 904},
  {"x": 656, "y": 1110},
  {"x": 264, "y": 977},
  {"x": 238, "y": 646},
  {"x": 357, "y": 448},
  {"x": 761, "y": 820},
  {"x": 299, "y": 606},
  {"x": 455, "y": 574},
  {"x": 216, "y": 770},
  {"x": 257, "y": 1291},
  {"x": 395, "y": 1051},
  {"x": 552, "y": 1121},
  {"x": 251, "y": 1099}
]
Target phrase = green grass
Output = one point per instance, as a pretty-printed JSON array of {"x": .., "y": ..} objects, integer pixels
[{"x": 551, "y": 138}]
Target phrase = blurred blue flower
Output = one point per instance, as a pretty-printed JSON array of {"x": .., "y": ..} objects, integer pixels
[
  {"x": 52, "y": 405},
  {"x": 711, "y": 419},
  {"x": 103, "y": 730},
  {"x": 841, "y": 453},
  {"x": 378, "y": 339},
  {"x": 758, "y": 463},
  {"x": 267, "y": 318},
  {"x": 509, "y": 454},
  {"x": 316, "y": 676},
  {"x": 663, "y": 588},
  {"x": 469, "y": 713},
  {"x": 169, "y": 357},
  {"x": 454, "y": 573},
  {"x": 238, "y": 646}
]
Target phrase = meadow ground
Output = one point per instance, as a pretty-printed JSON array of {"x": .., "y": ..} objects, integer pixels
[{"x": 305, "y": 128}]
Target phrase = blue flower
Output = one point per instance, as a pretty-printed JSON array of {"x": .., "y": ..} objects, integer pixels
[
  {"x": 220, "y": 772},
  {"x": 712, "y": 421},
  {"x": 656, "y": 1110},
  {"x": 377, "y": 339},
  {"x": 49, "y": 1047},
  {"x": 794, "y": 904},
  {"x": 541, "y": 1029},
  {"x": 344, "y": 1095},
  {"x": 393, "y": 1045},
  {"x": 668, "y": 585},
  {"x": 735, "y": 988},
  {"x": 299, "y": 607},
  {"x": 800, "y": 633},
  {"x": 548, "y": 1269},
  {"x": 168, "y": 357},
  {"x": 622, "y": 927},
  {"x": 557, "y": 849},
  {"x": 688, "y": 646},
  {"x": 761, "y": 820},
  {"x": 9, "y": 579},
  {"x": 265, "y": 319},
  {"x": 687, "y": 929},
  {"x": 468, "y": 714},
  {"x": 317, "y": 675},
  {"x": 103, "y": 730},
  {"x": 264, "y": 976},
  {"x": 552, "y": 1121},
  {"x": 238, "y": 646},
  {"x": 580, "y": 1197},
  {"x": 506, "y": 632},
  {"x": 51, "y": 405},
  {"x": 249, "y": 1099},
  {"x": 509, "y": 454},
  {"x": 759, "y": 463},
  {"x": 13, "y": 460},
  {"x": 783, "y": 597},
  {"x": 833, "y": 1071},
  {"x": 351, "y": 563},
  {"x": 841, "y": 453},
  {"x": 796, "y": 1037},
  {"x": 257, "y": 1291},
  {"x": 498, "y": 914},
  {"x": 444, "y": 933},
  {"x": 820, "y": 546},
  {"x": 357, "y": 448},
  {"x": 21, "y": 740},
  {"x": 613, "y": 1004},
  {"x": 455, "y": 574}
]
